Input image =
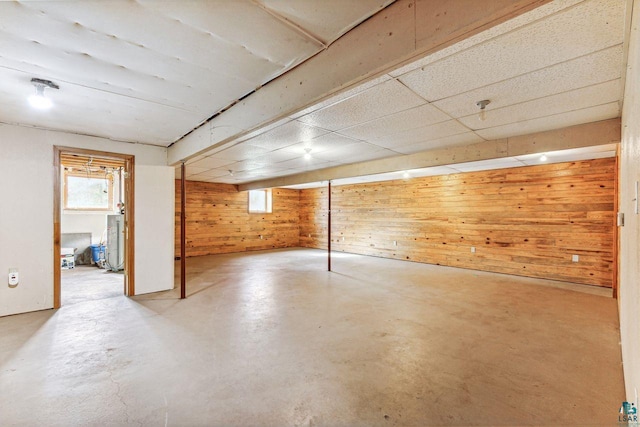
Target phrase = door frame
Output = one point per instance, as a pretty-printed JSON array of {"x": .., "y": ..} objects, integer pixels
[{"x": 129, "y": 202}]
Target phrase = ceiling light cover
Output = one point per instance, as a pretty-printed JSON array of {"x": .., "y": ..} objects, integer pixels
[
  {"x": 39, "y": 100},
  {"x": 483, "y": 104}
]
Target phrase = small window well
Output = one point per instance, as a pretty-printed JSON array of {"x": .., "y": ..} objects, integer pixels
[{"x": 260, "y": 201}]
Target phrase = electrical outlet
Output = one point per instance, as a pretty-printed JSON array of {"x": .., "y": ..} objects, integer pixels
[
  {"x": 260, "y": 236},
  {"x": 14, "y": 277},
  {"x": 395, "y": 243},
  {"x": 473, "y": 249},
  {"x": 343, "y": 238},
  {"x": 575, "y": 258}
]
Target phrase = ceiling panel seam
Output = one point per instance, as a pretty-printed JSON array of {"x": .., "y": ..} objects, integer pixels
[
  {"x": 312, "y": 37},
  {"x": 66, "y": 82},
  {"x": 216, "y": 114},
  {"x": 551, "y": 115},
  {"x": 496, "y": 148},
  {"x": 70, "y": 132},
  {"x": 136, "y": 45},
  {"x": 508, "y": 106},
  {"x": 528, "y": 72},
  {"x": 625, "y": 47},
  {"x": 497, "y": 36},
  {"x": 222, "y": 39}
]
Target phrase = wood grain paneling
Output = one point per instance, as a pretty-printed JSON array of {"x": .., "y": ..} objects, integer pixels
[
  {"x": 525, "y": 221},
  {"x": 218, "y": 220}
]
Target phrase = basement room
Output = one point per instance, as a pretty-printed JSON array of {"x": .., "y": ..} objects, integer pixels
[{"x": 299, "y": 212}]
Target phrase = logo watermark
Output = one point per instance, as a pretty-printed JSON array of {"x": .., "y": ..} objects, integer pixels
[{"x": 628, "y": 414}]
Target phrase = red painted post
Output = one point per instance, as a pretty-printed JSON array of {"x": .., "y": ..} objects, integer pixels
[{"x": 183, "y": 232}]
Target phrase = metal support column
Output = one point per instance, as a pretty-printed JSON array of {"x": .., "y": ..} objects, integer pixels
[{"x": 183, "y": 232}]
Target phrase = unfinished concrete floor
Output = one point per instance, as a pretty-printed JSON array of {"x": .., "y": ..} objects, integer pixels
[
  {"x": 88, "y": 282},
  {"x": 271, "y": 338}
]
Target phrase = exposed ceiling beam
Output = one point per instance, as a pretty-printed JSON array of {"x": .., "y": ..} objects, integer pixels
[
  {"x": 586, "y": 135},
  {"x": 404, "y": 31}
]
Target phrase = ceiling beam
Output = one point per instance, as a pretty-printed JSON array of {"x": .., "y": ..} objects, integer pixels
[
  {"x": 402, "y": 32},
  {"x": 586, "y": 135}
]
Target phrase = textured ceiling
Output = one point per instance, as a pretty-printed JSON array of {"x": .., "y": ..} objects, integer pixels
[
  {"x": 559, "y": 65},
  {"x": 151, "y": 71},
  {"x": 574, "y": 154}
]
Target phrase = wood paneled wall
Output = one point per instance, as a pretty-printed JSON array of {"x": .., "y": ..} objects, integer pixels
[
  {"x": 526, "y": 221},
  {"x": 218, "y": 220}
]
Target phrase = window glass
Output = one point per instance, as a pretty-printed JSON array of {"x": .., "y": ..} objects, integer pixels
[
  {"x": 260, "y": 201},
  {"x": 87, "y": 193}
]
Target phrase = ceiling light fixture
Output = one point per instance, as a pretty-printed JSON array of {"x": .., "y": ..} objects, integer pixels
[
  {"x": 406, "y": 175},
  {"x": 38, "y": 100},
  {"x": 483, "y": 104},
  {"x": 543, "y": 158},
  {"x": 307, "y": 154}
]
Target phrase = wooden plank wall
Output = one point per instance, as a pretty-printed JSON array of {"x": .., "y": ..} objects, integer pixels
[
  {"x": 525, "y": 221},
  {"x": 218, "y": 220}
]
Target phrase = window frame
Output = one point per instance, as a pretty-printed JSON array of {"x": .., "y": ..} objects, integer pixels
[
  {"x": 268, "y": 208},
  {"x": 79, "y": 174}
]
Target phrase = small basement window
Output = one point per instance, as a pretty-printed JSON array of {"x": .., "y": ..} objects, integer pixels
[
  {"x": 260, "y": 201},
  {"x": 88, "y": 193}
]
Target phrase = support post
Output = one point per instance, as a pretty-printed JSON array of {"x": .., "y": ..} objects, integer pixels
[
  {"x": 329, "y": 227},
  {"x": 183, "y": 232}
]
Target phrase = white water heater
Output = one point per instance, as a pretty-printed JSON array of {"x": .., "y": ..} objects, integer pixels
[{"x": 115, "y": 242}]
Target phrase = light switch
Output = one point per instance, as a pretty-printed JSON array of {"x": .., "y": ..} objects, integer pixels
[
  {"x": 575, "y": 258},
  {"x": 620, "y": 219}
]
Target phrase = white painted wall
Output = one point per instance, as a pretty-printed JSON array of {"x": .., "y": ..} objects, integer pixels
[
  {"x": 26, "y": 216},
  {"x": 26, "y": 221},
  {"x": 94, "y": 223},
  {"x": 629, "y": 295},
  {"x": 155, "y": 196}
]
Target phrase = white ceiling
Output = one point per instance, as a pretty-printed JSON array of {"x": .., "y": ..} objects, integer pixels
[
  {"x": 556, "y": 66},
  {"x": 574, "y": 154},
  {"x": 151, "y": 71}
]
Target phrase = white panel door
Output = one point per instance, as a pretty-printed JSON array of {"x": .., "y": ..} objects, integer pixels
[{"x": 154, "y": 228}]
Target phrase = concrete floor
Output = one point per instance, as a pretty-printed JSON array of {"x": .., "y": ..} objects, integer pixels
[
  {"x": 88, "y": 282},
  {"x": 271, "y": 338}
]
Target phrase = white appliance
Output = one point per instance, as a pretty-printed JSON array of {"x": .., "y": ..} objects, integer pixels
[{"x": 115, "y": 242}]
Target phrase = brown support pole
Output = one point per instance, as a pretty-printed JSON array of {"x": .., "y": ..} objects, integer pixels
[
  {"x": 183, "y": 232},
  {"x": 329, "y": 228}
]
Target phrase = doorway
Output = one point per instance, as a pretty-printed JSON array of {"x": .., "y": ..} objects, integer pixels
[{"x": 93, "y": 225}]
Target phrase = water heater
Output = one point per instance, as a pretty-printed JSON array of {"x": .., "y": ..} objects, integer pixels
[{"x": 115, "y": 242}]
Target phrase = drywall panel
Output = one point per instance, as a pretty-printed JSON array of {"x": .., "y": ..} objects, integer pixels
[
  {"x": 154, "y": 194},
  {"x": 527, "y": 221},
  {"x": 26, "y": 223},
  {"x": 629, "y": 286},
  {"x": 218, "y": 220}
]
